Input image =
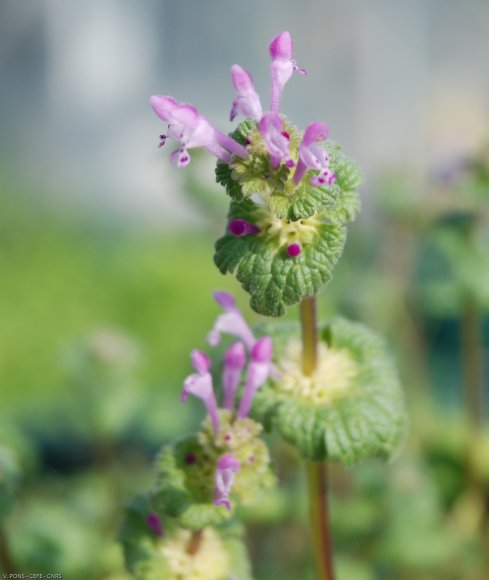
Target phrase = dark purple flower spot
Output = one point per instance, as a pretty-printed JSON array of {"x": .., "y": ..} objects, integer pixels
[
  {"x": 190, "y": 458},
  {"x": 242, "y": 228},
  {"x": 237, "y": 227},
  {"x": 154, "y": 523},
  {"x": 294, "y": 250},
  {"x": 227, "y": 437},
  {"x": 286, "y": 135},
  {"x": 251, "y": 458}
]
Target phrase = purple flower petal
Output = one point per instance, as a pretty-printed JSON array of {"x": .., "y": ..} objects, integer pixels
[
  {"x": 276, "y": 140},
  {"x": 241, "y": 228},
  {"x": 312, "y": 155},
  {"x": 282, "y": 67},
  {"x": 262, "y": 350},
  {"x": 200, "y": 361},
  {"x": 154, "y": 522},
  {"x": 234, "y": 362},
  {"x": 163, "y": 106},
  {"x": 281, "y": 46},
  {"x": 225, "y": 300},
  {"x": 200, "y": 385},
  {"x": 259, "y": 370},
  {"x": 293, "y": 250},
  {"x": 326, "y": 177},
  {"x": 187, "y": 126},
  {"x": 230, "y": 322},
  {"x": 247, "y": 102},
  {"x": 226, "y": 470}
]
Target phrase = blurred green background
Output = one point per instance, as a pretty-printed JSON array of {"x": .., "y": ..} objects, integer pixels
[{"x": 106, "y": 270}]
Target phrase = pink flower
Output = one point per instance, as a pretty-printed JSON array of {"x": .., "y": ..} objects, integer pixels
[
  {"x": 241, "y": 228},
  {"x": 230, "y": 322},
  {"x": 282, "y": 67},
  {"x": 312, "y": 155},
  {"x": 234, "y": 362},
  {"x": 276, "y": 140},
  {"x": 294, "y": 249},
  {"x": 247, "y": 103},
  {"x": 227, "y": 467},
  {"x": 200, "y": 385},
  {"x": 191, "y": 129},
  {"x": 259, "y": 370}
]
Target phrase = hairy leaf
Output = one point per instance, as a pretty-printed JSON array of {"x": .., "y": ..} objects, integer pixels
[{"x": 365, "y": 419}]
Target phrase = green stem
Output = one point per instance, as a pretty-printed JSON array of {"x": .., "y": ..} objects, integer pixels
[
  {"x": 6, "y": 560},
  {"x": 309, "y": 336},
  {"x": 317, "y": 472},
  {"x": 194, "y": 542},
  {"x": 473, "y": 363}
]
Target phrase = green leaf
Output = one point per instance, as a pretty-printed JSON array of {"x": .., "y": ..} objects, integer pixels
[
  {"x": 365, "y": 418},
  {"x": 348, "y": 179},
  {"x": 274, "y": 279},
  {"x": 310, "y": 200},
  {"x": 184, "y": 490}
]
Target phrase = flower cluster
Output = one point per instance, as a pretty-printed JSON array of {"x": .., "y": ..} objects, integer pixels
[
  {"x": 200, "y": 384},
  {"x": 272, "y": 133}
]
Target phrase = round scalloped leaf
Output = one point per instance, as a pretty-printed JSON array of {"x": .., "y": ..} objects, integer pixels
[
  {"x": 352, "y": 409},
  {"x": 308, "y": 200},
  {"x": 348, "y": 179},
  {"x": 149, "y": 556},
  {"x": 185, "y": 485},
  {"x": 265, "y": 270}
]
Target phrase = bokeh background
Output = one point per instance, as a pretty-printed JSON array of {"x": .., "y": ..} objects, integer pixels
[{"x": 106, "y": 267}]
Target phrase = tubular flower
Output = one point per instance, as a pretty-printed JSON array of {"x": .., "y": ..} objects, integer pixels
[
  {"x": 230, "y": 322},
  {"x": 191, "y": 129},
  {"x": 226, "y": 470},
  {"x": 282, "y": 67},
  {"x": 227, "y": 453},
  {"x": 200, "y": 385},
  {"x": 241, "y": 228},
  {"x": 234, "y": 362},
  {"x": 259, "y": 370},
  {"x": 312, "y": 155},
  {"x": 247, "y": 103},
  {"x": 276, "y": 140}
]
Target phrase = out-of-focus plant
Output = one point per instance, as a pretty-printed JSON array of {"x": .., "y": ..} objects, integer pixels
[
  {"x": 460, "y": 284},
  {"x": 102, "y": 372}
]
